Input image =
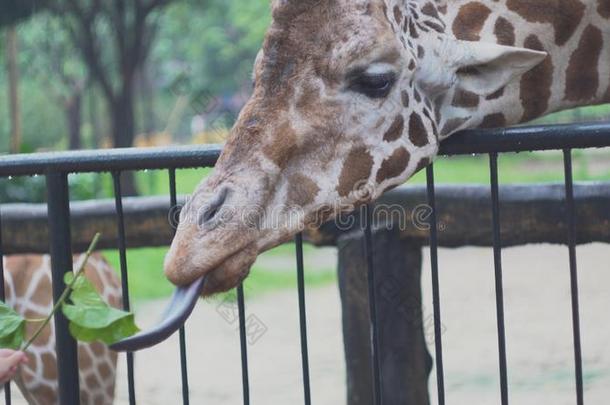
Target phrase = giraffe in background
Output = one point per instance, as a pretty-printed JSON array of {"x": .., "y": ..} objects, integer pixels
[
  {"x": 29, "y": 292},
  {"x": 352, "y": 97}
]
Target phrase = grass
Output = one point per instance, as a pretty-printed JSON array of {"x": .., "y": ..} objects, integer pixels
[{"x": 275, "y": 270}]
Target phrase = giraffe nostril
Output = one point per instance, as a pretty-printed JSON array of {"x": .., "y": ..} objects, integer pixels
[{"x": 213, "y": 207}]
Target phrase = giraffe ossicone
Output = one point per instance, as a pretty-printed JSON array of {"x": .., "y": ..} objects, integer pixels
[{"x": 352, "y": 97}]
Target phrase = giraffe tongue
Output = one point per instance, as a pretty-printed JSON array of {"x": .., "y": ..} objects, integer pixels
[{"x": 179, "y": 309}]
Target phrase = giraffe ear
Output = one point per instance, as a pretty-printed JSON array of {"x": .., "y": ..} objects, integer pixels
[{"x": 484, "y": 68}]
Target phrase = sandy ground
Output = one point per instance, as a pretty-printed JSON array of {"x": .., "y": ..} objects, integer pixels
[{"x": 539, "y": 337}]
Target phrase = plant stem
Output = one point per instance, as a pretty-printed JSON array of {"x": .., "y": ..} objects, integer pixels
[{"x": 64, "y": 296}]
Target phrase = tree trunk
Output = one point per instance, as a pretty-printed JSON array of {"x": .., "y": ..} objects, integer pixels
[
  {"x": 147, "y": 98},
  {"x": 123, "y": 120},
  {"x": 73, "y": 116},
  {"x": 123, "y": 125},
  {"x": 404, "y": 360},
  {"x": 96, "y": 130},
  {"x": 13, "y": 80}
]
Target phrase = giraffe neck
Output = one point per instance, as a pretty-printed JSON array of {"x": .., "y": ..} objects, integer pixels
[
  {"x": 574, "y": 33},
  {"x": 29, "y": 293}
]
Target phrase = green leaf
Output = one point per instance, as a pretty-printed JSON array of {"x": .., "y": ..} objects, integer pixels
[
  {"x": 12, "y": 328},
  {"x": 92, "y": 319},
  {"x": 118, "y": 330}
]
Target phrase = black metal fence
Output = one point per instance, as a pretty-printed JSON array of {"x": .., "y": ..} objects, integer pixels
[{"x": 57, "y": 167}]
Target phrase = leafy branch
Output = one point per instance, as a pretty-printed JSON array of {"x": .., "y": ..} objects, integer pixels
[{"x": 90, "y": 318}]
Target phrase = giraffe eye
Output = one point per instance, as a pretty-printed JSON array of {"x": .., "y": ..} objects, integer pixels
[{"x": 377, "y": 85}]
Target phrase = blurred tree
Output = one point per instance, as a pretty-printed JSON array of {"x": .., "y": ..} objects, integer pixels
[
  {"x": 217, "y": 60},
  {"x": 11, "y": 12},
  {"x": 146, "y": 91},
  {"x": 54, "y": 61},
  {"x": 13, "y": 92},
  {"x": 114, "y": 39}
]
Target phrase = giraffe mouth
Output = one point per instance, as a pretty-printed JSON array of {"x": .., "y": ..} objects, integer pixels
[
  {"x": 231, "y": 272},
  {"x": 177, "y": 312},
  {"x": 223, "y": 278},
  {"x": 223, "y": 256}
]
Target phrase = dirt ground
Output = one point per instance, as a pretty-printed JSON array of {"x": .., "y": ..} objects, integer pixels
[{"x": 538, "y": 323}]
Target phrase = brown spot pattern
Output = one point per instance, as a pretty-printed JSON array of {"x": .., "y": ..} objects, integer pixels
[
  {"x": 92, "y": 381},
  {"x": 307, "y": 102},
  {"x": 49, "y": 367},
  {"x": 416, "y": 95},
  {"x": 496, "y": 95},
  {"x": 470, "y": 21},
  {"x": 417, "y": 131},
  {"x": 43, "y": 298},
  {"x": 604, "y": 8},
  {"x": 504, "y": 32},
  {"x": 47, "y": 393},
  {"x": 452, "y": 125},
  {"x": 302, "y": 191},
  {"x": 396, "y": 129},
  {"x": 496, "y": 120},
  {"x": 436, "y": 27},
  {"x": 466, "y": 99},
  {"x": 97, "y": 348},
  {"x": 422, "y": 163},
  {"x": 430, "y": 10},
  {"x": 405, "y": 98},
  {"x": 105, "y": 371},
  {"x": 564, "y": 15},
  {"x": 84, "y": 358},
  {"x": 536, "y": 84},
  {"x": 412, "y": 30},
  {"x": 357, "y": 168},
  {"x": 397, "y": 14},
  {"x": 283, "y": 147},
  {"x": 394, "y": 166},
  {"x": 582, "y": 76}
]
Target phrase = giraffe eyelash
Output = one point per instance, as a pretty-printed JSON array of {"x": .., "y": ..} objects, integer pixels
[{"x": 374, "y": 86}]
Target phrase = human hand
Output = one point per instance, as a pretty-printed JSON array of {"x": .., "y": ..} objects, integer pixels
[{"x": 9, "y": 362}]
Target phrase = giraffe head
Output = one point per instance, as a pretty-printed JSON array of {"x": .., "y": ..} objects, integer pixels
[{"x": 348, "y": 101}]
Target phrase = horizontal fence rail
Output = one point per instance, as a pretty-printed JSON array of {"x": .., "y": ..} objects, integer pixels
[
  {"x": 505, "y": 216},
  {"x": 527, "y": 138},
  {"x": 535, "y": 213},
  {"x": 519, "y": 139},
  {"x": 108, "y": 160}
]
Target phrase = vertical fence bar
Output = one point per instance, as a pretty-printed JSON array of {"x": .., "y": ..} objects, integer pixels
[
  {"x": 241, "y": 306},
  {"x": 7, "y": 386},
  {"x": 181, "y": 333},
  {"x": 118, "y": 202},
  {"x": 368, "y": 252},
  {"x": 436, "y": 299},
  {"x": 571, "y": 217},
  {"x": 303, "y": 318},
  {"x": 61, "y": 262},
  {"x": 497, "y": 249}
]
